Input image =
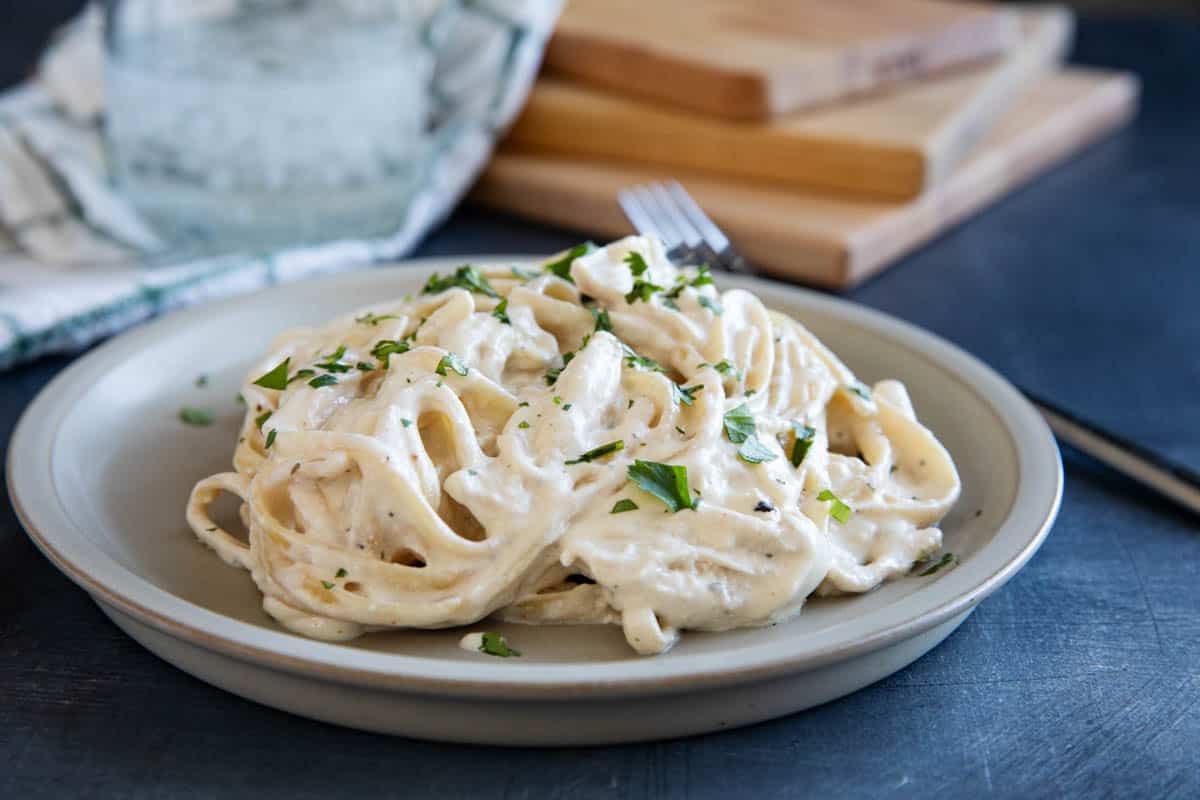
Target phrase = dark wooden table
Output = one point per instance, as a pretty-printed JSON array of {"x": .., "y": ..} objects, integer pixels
[{"x": 1080, "y": 678}]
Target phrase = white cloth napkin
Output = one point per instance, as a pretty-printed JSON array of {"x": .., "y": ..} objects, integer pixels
[{"x": 73, "y": 254}]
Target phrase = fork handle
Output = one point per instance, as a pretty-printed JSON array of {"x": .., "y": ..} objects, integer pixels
[{"x": 1171, "y": 480}]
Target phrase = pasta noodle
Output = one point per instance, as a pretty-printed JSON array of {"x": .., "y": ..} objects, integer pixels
[{"x": 610, "y": 440}]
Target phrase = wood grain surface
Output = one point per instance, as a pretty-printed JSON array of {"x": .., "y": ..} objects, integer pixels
[
  {"x": 893, "y": 144},
  {"x": 751, "y": 60},
  {"x": 821, "y": 239}
]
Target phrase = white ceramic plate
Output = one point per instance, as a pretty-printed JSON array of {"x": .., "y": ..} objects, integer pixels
[{"x": 100, "y": 467}]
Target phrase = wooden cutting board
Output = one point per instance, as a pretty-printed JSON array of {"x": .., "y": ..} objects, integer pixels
[
  {"x": 753, "y": 58},
  {"x": 892, "y": 145},
  {"x": 830, "y": 241}
]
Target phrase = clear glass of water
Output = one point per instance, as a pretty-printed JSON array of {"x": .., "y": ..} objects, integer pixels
[{"x": 259, "y": 123}]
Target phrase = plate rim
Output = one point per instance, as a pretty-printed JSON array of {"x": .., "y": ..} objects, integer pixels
[{"x": 1037, "y": 452}]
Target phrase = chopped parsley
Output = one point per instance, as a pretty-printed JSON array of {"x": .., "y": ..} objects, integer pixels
[
  {"x": 523, "y": 404},
  {"x": 201, "y": 381},
  {"x": 241, "y": 399},
  {"x": 500, "y": 312},
  {"x": 944, "y": 561},
  {"x": 680, "y": 431},
  {"x": 341, "y": 573},
  {"x": 637, "y": 264},
  {"x": 684, "y": 395},
  {"x": 623, "y": 505},
  {"x": 322, "y": 381},
  {"x": 642, "y": 290},
  {"x": 195, "y": 416},
  {"x": 465, "y": 277},
  {"x": 599, "y": 452},
  {"x": 270, "y": 438},
  {"x": 739, "y": 424},
  {"x": 740, "y": 428},
  {"x": 804, "y": 437},
  {"x": 277, "y": 378},
  {"x": 763, "y": 506},
  {"x": 452, "y": 362},
  {"x": 755, "y": 452},
  {"x": 524, "y": 274},
  {"x": 327, "y": 584},
  {"x": 384, "y": 349},
  {"x": 669, "y": 302},
  {"x": 859, "y": 389},
  {"x": 494, "y": 644},
  {"x": 406, "y": 422},
  {"x": 556, "y": 400},
  {"x": 603, "y": 323},
  {"x": 711, "y": 305},
  {"x": 261, "y": 418},
  {"x": 523, "y": 424},
  {"x": 725, "y": 368},
  {"x": 838, "y": 510},
  {"x": 562, "y": 267},
  {"x": 552, "y": 375},
  {"x": 566, "y": 406},
  {"x": 333, "y": 361},
  {"x": 667, "y": 482},
  {"x": 374, "y": 319},
  {"x": 302, "y": 374},
  {"x": 703, "y": 277},
  {"x": 634, "y": 361}
]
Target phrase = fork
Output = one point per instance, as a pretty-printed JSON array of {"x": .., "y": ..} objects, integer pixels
[{"x": 667, "y": 212}]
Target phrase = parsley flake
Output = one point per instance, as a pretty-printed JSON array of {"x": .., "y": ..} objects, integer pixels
[
  {"x": 603, "y": 323},
  {"x": 452, "y": 362},
  {"x": 524, "y": 274},
  {"x": 599, "y": 452},
  {"x": 270, "y": 438},
  {"x": 838, "y": 510},
  {"x": 341, "y": 573},
  {"x": 465, "y": 277},
  {"x": 945, "y": 560},
  {"x": 667, "y": 482},
  {"x": 200, "y": 417},
  {"x": 522, "y": 424},
  {"x": 384, "y": 349},
  {"x": 562, "y": 267},
  {"x": 740, "y": 428},
  {"x": 370, "y": 318},
  {"x": 623, "y": 505},
  {"x": 364, "y": 367},
  {"x": 261, "y": 418},
  {"x": 406, "y": 422},
  {"x": 642, "y": 290},
  {"x": 201, "y": 381},
  {"x": 725, "y": 368},
  {"x": 327, "y": 584},
  {"x": 804, "y": 435},
  {"x": 860, "y": 389},
  {"x": 684, "y": 395},
  {"x": 637, "y": 264},
  {"x": 711, "y": 305},
  {"x": 494, "y": 644},
  {"x": 322, "y": 380},
  {"x": 277, "y": 378},
  {"x": 500, "y": 312}
]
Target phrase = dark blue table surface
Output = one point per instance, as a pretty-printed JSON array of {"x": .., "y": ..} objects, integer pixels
[{"x": 1081, "y": 677}]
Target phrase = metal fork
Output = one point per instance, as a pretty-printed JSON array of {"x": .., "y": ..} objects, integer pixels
[{"x": 667, "y": 212}]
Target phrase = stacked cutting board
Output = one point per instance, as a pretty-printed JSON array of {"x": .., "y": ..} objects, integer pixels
[{"x": 826, "y": 138}]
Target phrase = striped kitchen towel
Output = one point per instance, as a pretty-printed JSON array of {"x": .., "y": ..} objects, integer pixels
[{"x": 78, "y": 264}]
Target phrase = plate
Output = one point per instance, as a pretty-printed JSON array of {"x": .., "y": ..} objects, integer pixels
[{"x": 100, "y": 468}]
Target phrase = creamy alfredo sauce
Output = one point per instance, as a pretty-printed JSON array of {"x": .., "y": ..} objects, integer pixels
[{"x": 609, "y": 440}]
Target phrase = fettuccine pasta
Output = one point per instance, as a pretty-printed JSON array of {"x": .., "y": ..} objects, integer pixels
[{"x": 608, "y": 439}]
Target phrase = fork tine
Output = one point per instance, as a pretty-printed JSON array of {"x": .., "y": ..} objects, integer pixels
[
  {"x": 635, "y": 213},
  {"x": 715, "y": 240},
  {"x": 687, "y": 232},
  {"x": 662, "y": 221}
]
